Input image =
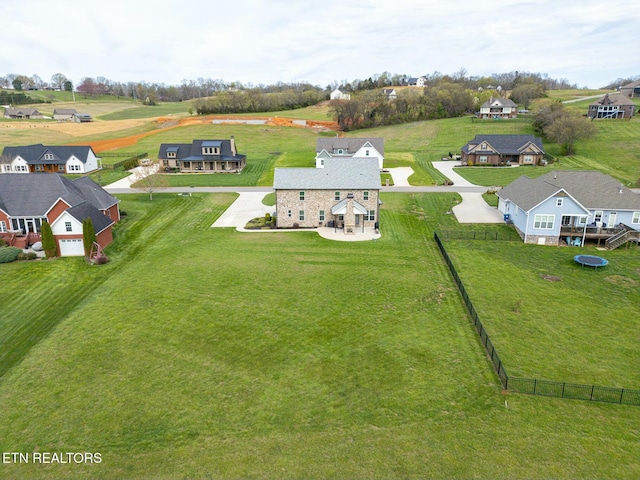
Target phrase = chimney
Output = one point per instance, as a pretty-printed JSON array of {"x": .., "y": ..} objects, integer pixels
[{"x": 232, "y": 141}]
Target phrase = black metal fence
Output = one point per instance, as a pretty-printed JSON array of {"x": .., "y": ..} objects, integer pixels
[
  {"x": 113, "y": 166},
  {"x": 529, "y": 385},
  {"x": 496, "y": 235}
]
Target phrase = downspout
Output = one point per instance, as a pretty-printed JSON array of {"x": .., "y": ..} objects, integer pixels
[{"x": 526, "y": 230}]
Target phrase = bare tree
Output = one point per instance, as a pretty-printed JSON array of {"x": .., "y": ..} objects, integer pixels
[
  {"x": 58, "y": 80},
  {"x": 147, "y": 179}
]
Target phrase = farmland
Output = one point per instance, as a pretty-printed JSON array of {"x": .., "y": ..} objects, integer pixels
[{"x": 209, "y": 353}]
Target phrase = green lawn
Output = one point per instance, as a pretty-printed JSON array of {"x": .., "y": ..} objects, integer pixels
[
  {"x": 551, "y": 319},
  {"x": 192, "y": 355}
]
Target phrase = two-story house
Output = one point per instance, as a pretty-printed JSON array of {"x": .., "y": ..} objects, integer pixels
[
  {"x": 614, "y": 106},
  {"x": 349, "y": 148},
  {"x": 498, "y": 107},
  {"x": 342, "y": 195}
]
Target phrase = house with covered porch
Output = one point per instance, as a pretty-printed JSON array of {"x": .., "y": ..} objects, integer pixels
[
  {"x": 498, "y": 150},
  {"x": 49, "y": 159},
  {"x": 202, "y": 156},
  {"x": 570, "y": 207},
  {"x": 341, "y": 195}
]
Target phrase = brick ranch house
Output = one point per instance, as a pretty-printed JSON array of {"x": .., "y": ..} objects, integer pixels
[
  {"x": 341, "y": 194},
  {"x": 614, "y": 106},
  {"x": 28, "y": 200},
  {"x": 202, "y": 156}
]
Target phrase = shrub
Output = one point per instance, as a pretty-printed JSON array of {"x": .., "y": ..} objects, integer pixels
[
  {"x": 27, "y": 256},
  {"x": 2, "y": 242},
  {"x": 9, "y": 254},
  {"x": 267, "y": 217},
  {"x": 48, "y": 241}
]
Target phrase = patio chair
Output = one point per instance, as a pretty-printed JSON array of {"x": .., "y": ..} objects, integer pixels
[{"x": 577, "y": 242}]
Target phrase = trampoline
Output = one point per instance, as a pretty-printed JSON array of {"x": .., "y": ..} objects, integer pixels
[{"x": 590, "y": 261}]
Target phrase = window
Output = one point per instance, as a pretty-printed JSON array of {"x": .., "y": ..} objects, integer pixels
[
  {"x": 543, "y": 221},
  {"x": 582, "y": 220},
  {"x": 321, "y": 216},
  {"x": 39, "y": 168},
  {"x": 322, "y": 162},
  {"x": 340, "y": 151},
  {"x": 74, "y": 168},
  {"x": 483, "y": 146},
  {"x": 3, "y": 226},
  {"x": 301, "y": 195},
  {"x": 366, "y": 152},
  {"x": 171, "y": 154},
  {"x": 61, "y": 167},
  {"x": 301, "y": 215},
  {"x": 67, "y": 226},
  {"x": 483, "y": 159},
  {"x": 48, "y": 156},
  {"x": 597, "y": 216},
  {"x": 210, "y": 150},
  {"x": 636, "y": 218},
  {"x": 528, "y": 159},
  {"x": 559, "y": 202},
  {"x": 186, "y": 165},
  {"x": 365, "y": 195},
  {"x": 20, "y": 168},
  {"x": 371, "y": 216},
  {"x": 336, "y": 195}
]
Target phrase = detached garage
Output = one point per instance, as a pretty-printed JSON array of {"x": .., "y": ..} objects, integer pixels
[{"x": 72, "y": 247}]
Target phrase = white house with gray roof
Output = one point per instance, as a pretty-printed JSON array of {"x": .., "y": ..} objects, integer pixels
[
  {"x": 343, "y": 195},
  {"x": 49, "y": 159},
  {"x": 561, "y": 206},
  {"x": 349, "y": 148}
]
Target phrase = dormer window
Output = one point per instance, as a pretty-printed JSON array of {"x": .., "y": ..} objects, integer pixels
[
  {"x": 48, "y": 156},
  {"x": 483, "y": 146},
  {"x": 171, "y": 154},
  {"x": 210, "y": 151}
]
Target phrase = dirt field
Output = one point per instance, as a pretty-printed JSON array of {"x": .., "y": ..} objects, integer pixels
[{"x": 162, "y": 123}]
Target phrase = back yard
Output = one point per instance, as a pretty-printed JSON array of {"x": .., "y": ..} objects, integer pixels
[{"x": 200, "y": 353}]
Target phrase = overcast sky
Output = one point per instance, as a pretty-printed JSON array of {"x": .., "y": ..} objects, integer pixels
[{"x": 588, "y": 42}]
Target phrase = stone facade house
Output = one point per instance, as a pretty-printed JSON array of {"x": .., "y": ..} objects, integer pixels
[
  {"x": 503, "y": 150},
  {"x": 342, "y": 195}
]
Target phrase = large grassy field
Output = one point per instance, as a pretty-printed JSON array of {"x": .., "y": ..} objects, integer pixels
[{"x": 208, "y": 353}]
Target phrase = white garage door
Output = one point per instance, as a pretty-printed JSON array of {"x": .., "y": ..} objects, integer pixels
[{"x": 71, "y": 247}]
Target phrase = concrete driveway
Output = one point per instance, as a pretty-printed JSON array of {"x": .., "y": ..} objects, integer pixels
[{"x": 246, "y": 207}]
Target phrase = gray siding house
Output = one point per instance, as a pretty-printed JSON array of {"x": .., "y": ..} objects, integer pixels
[
  {"x": 346, "y": 148},
  {"x": 560, "y": 207},
  {"x": 342, "y": 195}
]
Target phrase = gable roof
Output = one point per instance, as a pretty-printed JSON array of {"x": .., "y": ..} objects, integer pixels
[
  {"x": 34, "y": 195},
  {"x": 505, "y": 144},
  {"x": 64, "y": 111},
  {"x": 357, "y": 174},
  {"x": 350, "y": 144},
  {"x": 85, "y": 210},
  {"x": 632, "y": 84},
  {"x": 591, "y": 189},
  {"x": 23, "y": 111},
  {"x": 503, "y": 102},
  {"x": 614, "y": 99},
  {"x": 193, "y": 151},
  {"x": 34, "y": 154}
]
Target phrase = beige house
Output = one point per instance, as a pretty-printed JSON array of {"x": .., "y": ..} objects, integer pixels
[
  {"x": 498, "y": 107},
  {"x": 342, "y": 195}
]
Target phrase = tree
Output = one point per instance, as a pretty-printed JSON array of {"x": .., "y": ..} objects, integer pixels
[
  {"x": 17, "y": 84},
  {"x": 58, "y": 80},
  {"x": 88, "y": 235},
  {"x": 525, "y": 92},
  {"x": 48, "y": 240},
  {"x": 546, "y": 114},
  {"x": 146, "y": 178},
  {"x": 568, "y": 128},
  {"x": 68, "y": 86}
]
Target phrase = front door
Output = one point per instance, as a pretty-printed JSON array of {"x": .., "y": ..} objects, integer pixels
[
  {"x": 30, "y": 225},
  {"x": 613, "y": 217}
]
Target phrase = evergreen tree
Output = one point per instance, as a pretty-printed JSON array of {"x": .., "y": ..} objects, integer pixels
[
  {"x": 48, "y": 241},
  {"x": 88, "y": 236}
]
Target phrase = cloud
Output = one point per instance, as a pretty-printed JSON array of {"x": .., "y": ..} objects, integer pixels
[{"x": 265, "y": 41}]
